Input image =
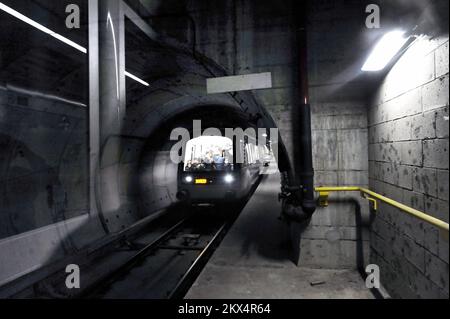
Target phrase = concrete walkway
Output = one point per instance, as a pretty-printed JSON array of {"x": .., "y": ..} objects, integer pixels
[{"x": 254, "y": 262}]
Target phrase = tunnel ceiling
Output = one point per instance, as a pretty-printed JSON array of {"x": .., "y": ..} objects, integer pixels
[
  {"x": 54, "y": 14},
  {"x": 41, "y": 63},
  {"x": 217, "y": 116},
  {"x": 339, "y": 42}
]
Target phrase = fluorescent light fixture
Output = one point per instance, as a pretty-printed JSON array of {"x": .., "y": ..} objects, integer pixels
[
  {"x": 134, "y": 77},
  {"x": 385, "y": 50},
  {"x": 40, "y": 27},
  {"x": 46, "y": 30}
]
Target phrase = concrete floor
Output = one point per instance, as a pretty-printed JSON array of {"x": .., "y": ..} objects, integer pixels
[{"x": 254, "y": 261}]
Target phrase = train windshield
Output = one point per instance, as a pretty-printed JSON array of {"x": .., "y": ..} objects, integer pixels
[{"x": 209, "y": 153}]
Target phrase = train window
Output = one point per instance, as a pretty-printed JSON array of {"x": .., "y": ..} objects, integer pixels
[
  {"x": 209, "y": 153},
  {"x": 44, "y": 175},
  {"x": 252, "y": 154},
  {"x": 249, "y": 152}
]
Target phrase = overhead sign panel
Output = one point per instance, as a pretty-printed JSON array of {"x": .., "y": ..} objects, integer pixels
[{"x": 235, "y": 83}]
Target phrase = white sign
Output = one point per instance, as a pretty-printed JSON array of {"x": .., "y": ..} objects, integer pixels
[{"x": 235, "y": 83}]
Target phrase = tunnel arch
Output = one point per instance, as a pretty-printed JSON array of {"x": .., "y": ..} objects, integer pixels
[
  {"x": 177, "y": 86},
  {"x": 145, "y": 151},
  {"x": 116, "y": 196},
  {"x": 155, "y": 155}
]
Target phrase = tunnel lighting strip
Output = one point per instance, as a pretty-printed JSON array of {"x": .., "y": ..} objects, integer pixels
[
  {"x": 40, "y": 27},
  {"x": 134, "y": 77},
  {"x": 385, "y": 50},
  {"x": 40, "y": 95},
  {"x": 57, "y": 36}
]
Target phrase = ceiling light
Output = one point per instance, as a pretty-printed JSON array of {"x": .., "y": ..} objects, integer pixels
[
  {"x": 46, "y": 30},
  {"x": 389, "y": 45},
  {"x": 134, "y": 77},
  {"x": 40, "y": 27}
]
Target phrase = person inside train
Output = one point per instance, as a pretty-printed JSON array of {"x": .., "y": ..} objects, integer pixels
[
  {"x": 189, "y": 165},
  {"x": 219, "y": 160}
]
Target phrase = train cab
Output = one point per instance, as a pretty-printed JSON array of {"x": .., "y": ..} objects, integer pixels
[{"x": 210, "y": 173}]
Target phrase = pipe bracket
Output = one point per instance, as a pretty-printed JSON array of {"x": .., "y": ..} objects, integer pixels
[
  {"x": 370, "y": 199},
  {"x": 323, "y": 199}
]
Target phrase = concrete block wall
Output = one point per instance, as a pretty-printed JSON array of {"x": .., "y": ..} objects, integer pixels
[
  {"x": 340, "y": 148},
  {"x": 243, "y": 37},
  {"x": 258, "y": 36},
  {"x": 337, "y": 236},
  {"x": 253, "y": 37},
  {"x": 408, "y": 162}
]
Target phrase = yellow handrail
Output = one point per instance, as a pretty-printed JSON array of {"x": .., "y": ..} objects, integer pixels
[{"x": 372, "y": 196}]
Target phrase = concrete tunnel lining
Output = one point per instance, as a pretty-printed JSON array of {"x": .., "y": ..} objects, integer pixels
[
  {"x": 387, "y": 132},
  {"x": 54, "y": 242},
  {"x": 140, "y": 156}
]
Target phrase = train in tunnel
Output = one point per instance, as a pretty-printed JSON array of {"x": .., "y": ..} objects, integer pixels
[
  {"x": 69, "y": 183},
  {"x": 93, "y": 114},
  {"x": 211, "y": 172}
]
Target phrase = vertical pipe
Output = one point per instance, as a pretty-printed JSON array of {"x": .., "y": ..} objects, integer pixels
[
  {"x": 94, "y": 134},
  {"x": 111, "y": 70},
  {"x": 306, "y": 171},
  {"x": 94, "y": 113}
]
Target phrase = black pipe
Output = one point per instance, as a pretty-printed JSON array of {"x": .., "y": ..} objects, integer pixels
[
  {"x": 299, "y": 203},
  {"x": 306, "y": 173}
]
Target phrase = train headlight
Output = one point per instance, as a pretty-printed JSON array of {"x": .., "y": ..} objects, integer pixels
[
  {"x": 188, "y": 179},
  {"x": 229, "y": 178}
]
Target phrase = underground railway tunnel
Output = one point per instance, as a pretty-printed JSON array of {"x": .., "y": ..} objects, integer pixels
[{"x": 237, "y": 149}]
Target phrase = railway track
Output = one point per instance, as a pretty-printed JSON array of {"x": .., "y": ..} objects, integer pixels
[{"x": 166, "y": 267}]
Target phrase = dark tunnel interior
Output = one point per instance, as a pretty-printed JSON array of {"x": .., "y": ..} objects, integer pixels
[{"x": 348, "y": 167}]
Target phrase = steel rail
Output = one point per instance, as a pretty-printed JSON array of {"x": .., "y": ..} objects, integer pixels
[
  {"x": 112, "y": 276},
  {"x": 197, "y": 265}
]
